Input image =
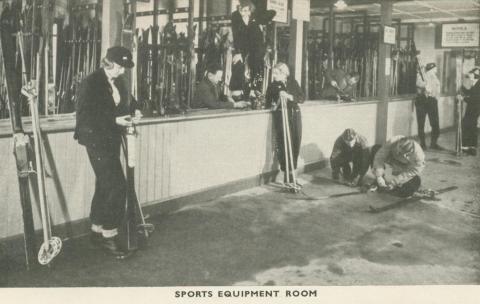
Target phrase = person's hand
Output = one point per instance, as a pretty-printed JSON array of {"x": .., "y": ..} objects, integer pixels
[
  {"x": 381, "y": 182},
  {"x": 137, "y": 117},
  {"x": 285, "y": 95},
  {"x": 334, "y": 83},
  {"x": 236, "y": 58},
  {"x": 460, "y": 97},
  {"x": 389, "y": 186},
  {"x": 124, "y": 121},
  {"x": 241, "y": 104}
]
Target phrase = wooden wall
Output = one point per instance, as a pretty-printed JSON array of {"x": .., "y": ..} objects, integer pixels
[{"x": 178, "y": 157}]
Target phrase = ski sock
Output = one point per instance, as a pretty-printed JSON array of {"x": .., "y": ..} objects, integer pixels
[
  {"x": 97, "y": 228},
  {"x": 110, "y": 233}
]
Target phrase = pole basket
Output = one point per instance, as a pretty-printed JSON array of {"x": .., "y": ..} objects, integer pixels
[{"x": 49, "y": 250}]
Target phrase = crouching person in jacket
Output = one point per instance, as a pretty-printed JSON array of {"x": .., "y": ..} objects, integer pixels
[
  {"x": 350, "y": 158},
  {"x": 407, "y": 160}
]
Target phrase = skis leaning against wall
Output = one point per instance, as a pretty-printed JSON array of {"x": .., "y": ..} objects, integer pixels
[{"x": 11, "y": 89}]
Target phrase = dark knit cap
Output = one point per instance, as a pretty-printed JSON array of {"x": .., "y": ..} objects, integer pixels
[
  {"x": 430, "y": 66},
  {"x": 349, "y": 134},
  {"x": 120, "y": 56},
  {"x": 476, "y": 72}
]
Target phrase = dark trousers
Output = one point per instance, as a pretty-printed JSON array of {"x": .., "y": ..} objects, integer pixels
[
  {"x": 238, "y": 82},
  {"x": 427, "y": 106},
  {"x": 295, "y": 122},
  {"x": 108, "y": 203},
  {"x": 469, "y": 127},
  {"x": 359, "y": 160},
  {"x": 405, "y": 190}
]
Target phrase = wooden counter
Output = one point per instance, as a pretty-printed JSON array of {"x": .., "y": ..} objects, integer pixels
[{"x": 185, "y": 155}]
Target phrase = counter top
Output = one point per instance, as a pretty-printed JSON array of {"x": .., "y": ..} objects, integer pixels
[{"x": 66, "y": 122}]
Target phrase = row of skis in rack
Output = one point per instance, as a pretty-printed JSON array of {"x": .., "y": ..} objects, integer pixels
[
  {"x": 70, "y": 51},
  {"x": 359, "y": 53},
  {"x": 163, "y": 74}
]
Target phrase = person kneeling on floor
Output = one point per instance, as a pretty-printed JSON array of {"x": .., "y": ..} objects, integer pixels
[
  {"x": 407, "y": 160},
  {"x": 350, "y": 157}
]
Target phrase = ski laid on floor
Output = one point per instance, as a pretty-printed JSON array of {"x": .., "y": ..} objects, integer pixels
[
  {"x": 20, "y": 139},
  {"x": 430, "y": 195}
]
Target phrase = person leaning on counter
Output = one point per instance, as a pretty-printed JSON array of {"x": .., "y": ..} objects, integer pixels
[{"x": 208, "y": 93}]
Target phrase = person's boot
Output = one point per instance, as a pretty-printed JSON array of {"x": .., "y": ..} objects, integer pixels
[
  {"x": 112, "y": 246},
  {"x": 96, "y": 238}
]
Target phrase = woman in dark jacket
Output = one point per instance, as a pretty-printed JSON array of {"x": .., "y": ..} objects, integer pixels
[
  {"x": 288, "y": 87},
  {"x": 102, "y": 113},
  {"x": 471, "y": 96},
  {"x": 249, "y": 49}
]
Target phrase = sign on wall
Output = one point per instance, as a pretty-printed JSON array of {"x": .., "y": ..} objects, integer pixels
[
  {"x": 301, "y": 10},
  {"x": 460, "y": 35},
  {"x": 389, "y": 35},
  {"x": 281, "y": 7}
]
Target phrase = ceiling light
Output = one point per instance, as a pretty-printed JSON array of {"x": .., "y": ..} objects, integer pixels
[
  {"x": 340, "y": 4},
  {"x": 431, "y": 24}
]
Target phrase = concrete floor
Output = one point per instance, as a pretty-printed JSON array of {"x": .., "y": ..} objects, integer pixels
[{"x": 263, "y": 236}]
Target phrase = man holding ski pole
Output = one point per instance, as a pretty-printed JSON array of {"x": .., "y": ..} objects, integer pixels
[{"x": 102, "y": 114}]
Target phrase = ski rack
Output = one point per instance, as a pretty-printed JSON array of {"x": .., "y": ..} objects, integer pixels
[{"x": 80, "y": 47}]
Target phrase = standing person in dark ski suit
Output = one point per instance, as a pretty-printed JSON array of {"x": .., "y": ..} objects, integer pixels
[
  {"x": 102, "y": 113},
  {"x": 426, "y": 102},
  {"x": 471, "y": 96},
  {"x": 248, "y": 48},
  {"x": 283, "y": 85},
  {"x": 350, "y": 147}
]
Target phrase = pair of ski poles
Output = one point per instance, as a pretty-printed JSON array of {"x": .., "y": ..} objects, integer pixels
[
  {"x": 291, "y": 179},
  {"x": 129, "y": 149},
  {"x": 51, "y": 245}
]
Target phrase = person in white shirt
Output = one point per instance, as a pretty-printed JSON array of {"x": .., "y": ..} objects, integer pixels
[{"x": 426, "y": 103}]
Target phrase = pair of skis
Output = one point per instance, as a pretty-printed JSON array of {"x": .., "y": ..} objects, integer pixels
[{"x": 51, "y": 245}]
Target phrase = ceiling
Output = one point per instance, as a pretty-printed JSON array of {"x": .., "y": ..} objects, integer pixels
[{"x": 410, "y": 10}]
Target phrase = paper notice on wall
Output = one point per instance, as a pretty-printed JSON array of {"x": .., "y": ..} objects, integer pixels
[
  {"x": 281, "y": 7},
  {"x": 301, "y": 10},
  {"x": 461, "y": 35}
]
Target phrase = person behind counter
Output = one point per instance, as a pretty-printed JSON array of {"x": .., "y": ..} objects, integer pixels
[
  {"x": 287, "y": 87},
  {"x": 350, "y": 157},
  {"x": 471, "y": 95},
  {"x": 208, "y": 93},
  {"x": 248, "y": 48},
  {"x": 340, "y": 86},
  {"x": 102, "y": 113},
  {"x": 407, "y": 160}
]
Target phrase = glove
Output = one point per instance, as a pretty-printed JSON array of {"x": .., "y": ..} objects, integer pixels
[
  {"x": 381, "y": 182},
  {"x": 124, "y": 121}
]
